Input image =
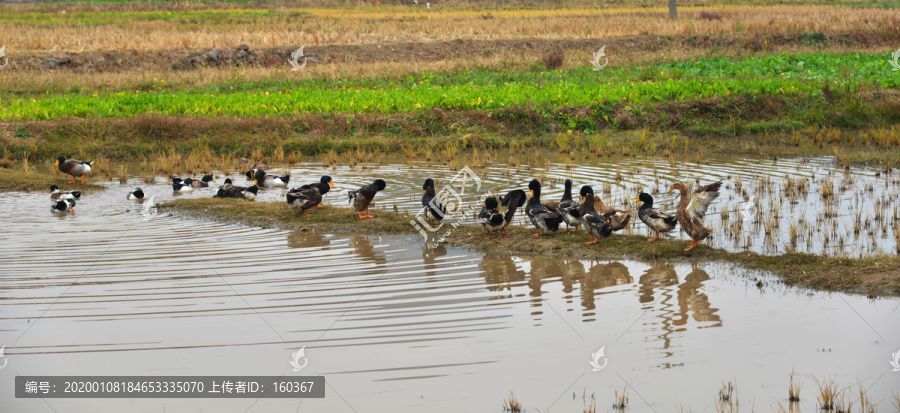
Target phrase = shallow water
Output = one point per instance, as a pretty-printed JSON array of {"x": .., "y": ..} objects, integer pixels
[{"x": 396, "y": 327}]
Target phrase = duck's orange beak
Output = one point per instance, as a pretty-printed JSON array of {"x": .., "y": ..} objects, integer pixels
[
  {"x": 256, "y": 182},
  {"x": 214, "y": 181},
  {"x": 584, "y": 198},
  {"x": 532, "y": 192},
  {"x": 72, "y": 209},
  {"x": 331, "y": 183},
  {"x": 51, "y": 191},
  {"x": 57, "y": 161},
  {"x": 671, "y": 189},
  {"x": 636, "y": 201}
]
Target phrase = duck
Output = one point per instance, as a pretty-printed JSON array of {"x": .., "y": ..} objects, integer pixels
[
  {"x": 362, "y": 197},
  {"x": 228, "y": 190},
  {"x": 657, "y": 220},
  {"x": 692, "y": 209},
  {"x": 512, "y": 201},
  {"x": 74, "y": 167},
  {"x": 490, "y": 218},
  {"x": 544, "y": 217},
  {"x": 138, "y": 193},
  {"x": 64, "y": 206},
  {"x": 182, "y": 186},
  {"x": 56, "y": 195},
  {"x": 203, "y": 182},
  {"x": 596, "y": 224},
  {"x": 309, "y": 196},
  {"x": 270, "y": 181},
  {"x": 618, "y": 218},
  {"x": 431, "y": 204},
  {"x": 251, "y": 173},
  {"x": 569, "y": 208}
]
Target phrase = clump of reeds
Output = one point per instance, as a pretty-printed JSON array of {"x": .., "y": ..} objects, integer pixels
[
  {"x": 621, "y": 400},
  {"x": 828, "y": 392},
  {"x": 511, "y": 405},
  {"x": 793, "y": 389}
]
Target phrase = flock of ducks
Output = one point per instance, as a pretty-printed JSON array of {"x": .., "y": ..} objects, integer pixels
[{"x": 597, "y": 219}]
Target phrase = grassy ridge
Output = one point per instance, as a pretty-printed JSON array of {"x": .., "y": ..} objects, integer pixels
[
  {"x": 798, "y": 75},
  {"x": 833, "y": 273}
]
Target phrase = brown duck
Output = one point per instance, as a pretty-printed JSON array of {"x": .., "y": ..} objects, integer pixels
[
  {"x": 618, "y": 218},
  {"x": 692, "y": 209}
]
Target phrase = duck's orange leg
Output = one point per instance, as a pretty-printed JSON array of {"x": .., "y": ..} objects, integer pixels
[
  {"x": 73, "y": 179},
  {"x": 592, "y": 241},
  {"x": 82, "y": 178},
  {"x": 536, "y": 235},
  {"x": 693, "y": 245},
  {"x": 656, "y": 237},
  {"x": 368, "y": 215}
]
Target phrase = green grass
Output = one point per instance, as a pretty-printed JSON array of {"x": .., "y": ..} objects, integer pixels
[{"x": 803, "y": 75}]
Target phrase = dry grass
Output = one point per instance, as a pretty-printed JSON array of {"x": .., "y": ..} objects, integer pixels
[
  {"x": 511, "y": 405},
  {"x": 138, "y": 31},
  {"x": 793, "y": 389}
]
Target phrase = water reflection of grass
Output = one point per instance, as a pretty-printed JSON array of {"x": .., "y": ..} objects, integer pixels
[{"x": 832, "y": 273}]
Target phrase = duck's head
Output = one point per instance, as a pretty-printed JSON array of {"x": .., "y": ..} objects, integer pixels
[
  {"x": 327, "y": 180},
  {"x": 54, "y": 188},
  {"x": 228, "y": 181},
  {"x": 534, "y": 186},
  {"x": 568, "y": 184},
  {"x": 207, "y": 178},
  {"x": 678, "y": 186},
  {"x": 645, "y": 198},
  {"x": 491, "y": 203},
  {"x": 429, "y": 183},
  {"x": 587, "y": 192},
  {"x": 380, "y": 185},
  {"x": 138, "y": 193},
  {"x": 259, "y": 177},
  {"x": 60, "y": 160}
]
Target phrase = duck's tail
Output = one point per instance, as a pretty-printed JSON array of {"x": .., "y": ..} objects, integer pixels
[
  {"x": 672, "y": 221},
  {"x": 76, "y": 194},
  {"x": 351, "y": 195}
]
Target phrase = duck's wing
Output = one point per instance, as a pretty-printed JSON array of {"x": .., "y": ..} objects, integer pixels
[
  {"x": 541, "y": 211},
  {"x": 701, "y": 198},
  {"x": 569, "y": 206},
  {"x": 368, "y": 191}
]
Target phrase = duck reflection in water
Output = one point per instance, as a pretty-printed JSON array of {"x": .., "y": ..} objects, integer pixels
[
  {"x": 364, "y": 249},
  {"x": 676, "y": 302},
  {"x": 500, "y": 272},
  {"x": 602, "y": 276},
  {"x": 306, "y": 239}
]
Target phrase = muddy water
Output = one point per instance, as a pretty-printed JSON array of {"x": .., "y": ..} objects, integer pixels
[{"x": 395, "y": 327}]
